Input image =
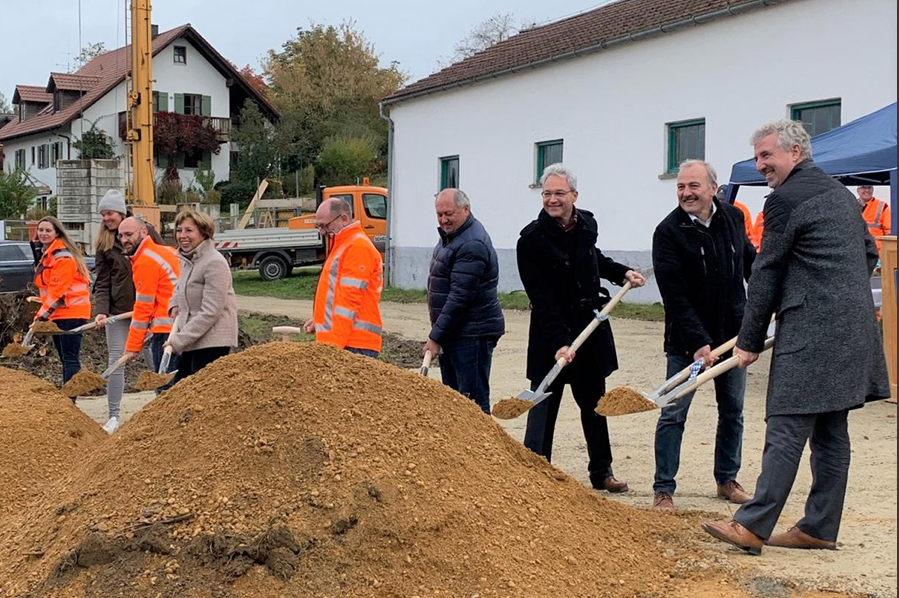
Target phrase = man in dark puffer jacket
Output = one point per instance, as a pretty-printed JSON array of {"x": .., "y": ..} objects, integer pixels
[{"x": 466, "y": 319}]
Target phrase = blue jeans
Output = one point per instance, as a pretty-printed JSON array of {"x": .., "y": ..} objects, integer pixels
[
  {"x": 363, "y": 352},
  {"x": 157, "y": 341},
  {"x": 68, "y": 347},
  {"x": 729, "y": 390},
  {"x": 465, "y": 367}
]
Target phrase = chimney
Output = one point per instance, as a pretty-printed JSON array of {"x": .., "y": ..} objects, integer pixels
[{"x": 154, "y": 31}]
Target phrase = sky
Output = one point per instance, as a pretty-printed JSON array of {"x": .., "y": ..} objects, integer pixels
[{"x": 42, "y": 36}]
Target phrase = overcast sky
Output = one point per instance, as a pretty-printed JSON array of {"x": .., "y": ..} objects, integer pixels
[{"x": 40, "y": 36}]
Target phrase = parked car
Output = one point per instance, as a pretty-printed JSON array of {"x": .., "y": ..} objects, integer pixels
[{"x": 17, "y": 266}]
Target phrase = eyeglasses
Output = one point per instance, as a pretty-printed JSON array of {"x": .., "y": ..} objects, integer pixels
[
  {"x": 556, "y": 194},
  {"x": 323, "y": 228}
]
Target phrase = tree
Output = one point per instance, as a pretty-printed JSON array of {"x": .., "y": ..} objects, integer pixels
[
  {"x": 327, "y": 81},
  {"x": 95, "y": 144},
  {"x": 16, "y": 194},
  {"x": 344, "y": 159},
  {"x": 497, "y": 28},
  {"x": 255, "y": 140},
  {"x": 5, "y": 108},
  {"x": 88, "y": 53},
  {"x": 255, "y": 80}
]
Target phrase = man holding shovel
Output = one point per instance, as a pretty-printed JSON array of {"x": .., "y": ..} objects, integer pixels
[
  {"x": 701, "y": 255},
  {"x": 814, "y": 269},
  {"x": 561, "y": 267},
  {"x": 155, "y": 270}
]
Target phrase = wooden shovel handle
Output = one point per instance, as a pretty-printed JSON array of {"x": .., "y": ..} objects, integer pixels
[
  {"x": 115, "y": 366},
  {"x": 582, "y": 338},
  {"x": 716, "y": 371},
  {"x": 287, "y": 330}
]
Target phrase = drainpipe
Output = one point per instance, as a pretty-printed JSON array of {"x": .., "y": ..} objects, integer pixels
[{"x": 388, "y": 246}]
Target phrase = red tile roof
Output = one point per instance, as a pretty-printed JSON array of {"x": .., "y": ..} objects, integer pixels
[
  {"x": 71, "y": 82},
  {"x": 626, "y": 20},
  {"x": 31, "y": 93}
]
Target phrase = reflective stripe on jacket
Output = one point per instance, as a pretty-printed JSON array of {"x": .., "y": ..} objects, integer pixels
[
  {"x": 65, "y": 292},
  {"x": 347, "y": 312},
  {"x": 877, "y": 214},
  {"x": 155, "y": 270}
]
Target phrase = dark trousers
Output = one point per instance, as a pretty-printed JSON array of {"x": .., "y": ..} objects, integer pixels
[
  {"x": 542, "y": 423},
  {"x": 68, "y": 347},
  {"x": 465, "y": 367},
  {"x": 157, "y": 342},
  {"x": 730, "y": 389},
  {"x": 785, "y": 438},
  {"x": 192, "y": 362}
]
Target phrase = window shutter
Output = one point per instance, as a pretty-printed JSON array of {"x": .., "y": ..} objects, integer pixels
[
  {"x": 206, "y": 162},
  {"x": 163, "y": 101},
  {"x": 207, "y": 105},
  {"x": 179, "y": 103},
  {"x": 179, "y": 161}
]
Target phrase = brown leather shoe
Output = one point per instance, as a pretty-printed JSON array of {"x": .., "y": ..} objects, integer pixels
[
  {"x": 734, "y": 492},
  {"x": 613, "y": 485},
  {"x": 663, "y": 502},
  {"x": 734, "y": 533},
  {"x": 796, "y": 538}
]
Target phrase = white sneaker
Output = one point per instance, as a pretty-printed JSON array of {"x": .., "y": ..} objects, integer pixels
[{"x": 112, "y": 425}]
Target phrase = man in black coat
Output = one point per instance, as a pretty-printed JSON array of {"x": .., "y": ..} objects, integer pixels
[
  {"x": 701, "y": 256},
  {"x": 814, "y": 271},
  {"x": 466, "y": 319},
  {"x": 561, "y": 268}
]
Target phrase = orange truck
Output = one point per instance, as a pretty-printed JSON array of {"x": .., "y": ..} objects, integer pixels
[{"x": 276, "y": 251}]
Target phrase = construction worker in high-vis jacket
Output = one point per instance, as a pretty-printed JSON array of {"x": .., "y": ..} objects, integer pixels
[
  {"x": 347, "y": 311},
  {"x": 155, "y": 270},
  {"x": 875, "y": 212}
]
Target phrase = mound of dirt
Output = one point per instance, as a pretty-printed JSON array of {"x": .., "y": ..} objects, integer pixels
[
  {"x": 300, "y": 470},
  {"x": 42, "y": 436},
  {"x": 623, "y": 401}
]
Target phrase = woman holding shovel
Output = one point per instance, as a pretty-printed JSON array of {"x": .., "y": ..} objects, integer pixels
[
  {"x": 204, "y": 297},
  {"x": 62, "y": 278}
]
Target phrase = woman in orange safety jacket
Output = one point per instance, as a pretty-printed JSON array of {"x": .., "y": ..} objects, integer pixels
[{"x": 62, "y": 278}]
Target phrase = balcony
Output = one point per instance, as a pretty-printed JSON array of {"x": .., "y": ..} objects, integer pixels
[{"x": 222, "y": 126}]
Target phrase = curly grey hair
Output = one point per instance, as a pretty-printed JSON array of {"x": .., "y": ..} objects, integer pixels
[
  {"x": 562, "y": 171},
  {"x": 789, "y": 133}
]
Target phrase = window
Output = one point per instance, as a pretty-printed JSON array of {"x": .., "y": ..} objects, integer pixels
[
  {"x": 20, "y": 159},
  {"x": 686, "y": 141},
  {"x": 56, "y": 153},
  {"x": 180, "y": 55},
  {"x": 817, "y": 117},
  {"x": 33, "y": 154},
  {"x": 160, "y": 101},
  {"x": 193, "y": 104},
  {"x": 192, "y": 160},
  {"x": 449, "y": 172},
  {"x": 43, "y": 156},
  {"x": 548, "y": 153},
  {"x": 347, "y": 198},
  {"x": 11, "y": 253},
  {"x": 375, "y": 206}
]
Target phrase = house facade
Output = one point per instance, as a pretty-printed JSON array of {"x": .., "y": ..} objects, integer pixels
[
  {"x": 622, "y": 94},
  {"x": 190, "y": 78}
]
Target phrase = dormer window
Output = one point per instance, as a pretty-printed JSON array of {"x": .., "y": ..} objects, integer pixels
[{"x": 180, "y": 55}]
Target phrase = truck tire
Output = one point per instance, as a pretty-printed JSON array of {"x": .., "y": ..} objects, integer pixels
[{"x": 273, "y": 268}]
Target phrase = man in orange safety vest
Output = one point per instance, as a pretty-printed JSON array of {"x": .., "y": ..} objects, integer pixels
[{"x": 875, "y": 212}]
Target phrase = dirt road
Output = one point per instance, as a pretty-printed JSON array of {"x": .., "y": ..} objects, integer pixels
[{"x": 866, "y": 563}]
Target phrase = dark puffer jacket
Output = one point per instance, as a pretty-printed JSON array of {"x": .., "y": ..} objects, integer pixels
[{"x": 462, "y": 298}]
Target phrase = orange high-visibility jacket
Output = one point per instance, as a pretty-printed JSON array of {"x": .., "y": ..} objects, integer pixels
[
  {"x": 347, "y": 301},
  {"x": 65, "y": 292},
  {"x": 877, "y": 214},
  {"x": 747, "y": 220},
  {"x": 155, "y": 270},
  {"x": 758, "y": 231}
]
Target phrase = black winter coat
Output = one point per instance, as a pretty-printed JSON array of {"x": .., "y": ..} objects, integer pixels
[
  {"x": 561, "y": 273},
  {"x": 700, "y": 272},
  {"x": 462, "y": 296}
]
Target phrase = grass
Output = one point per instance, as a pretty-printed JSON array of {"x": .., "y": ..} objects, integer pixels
[{"x": 301, "y": 285}]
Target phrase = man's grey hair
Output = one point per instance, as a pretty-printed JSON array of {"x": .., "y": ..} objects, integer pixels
[
  {"x": 562, "y": 171},
  {"x": 339, "y": 207},
  {"x": 789, "y": 133},
  {"x": 459, "y": 198},
  {"x": 709, "y": 170}
]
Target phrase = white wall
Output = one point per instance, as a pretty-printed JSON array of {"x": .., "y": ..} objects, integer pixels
[
  {"x": 46, "y": 176},
  {"x": 611, "y": 109}
]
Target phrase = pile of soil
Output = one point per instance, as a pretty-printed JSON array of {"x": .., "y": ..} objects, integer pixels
[
  {"x": 42, "y": 436},
  {"x": 511, "y": 407},
  {"x": 623, "y": 401},
  {"x": 294, "y": 469}
]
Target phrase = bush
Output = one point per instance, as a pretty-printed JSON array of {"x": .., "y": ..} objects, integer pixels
[
  {"x": 213, "y": 197},
  {"x": 169, "y": 193},
  {"x": 205, "y": 178},
  {"x": 344, "y": 159},
  {"x": 240, "y": 192},
  {"x": 16, "y": 193}
]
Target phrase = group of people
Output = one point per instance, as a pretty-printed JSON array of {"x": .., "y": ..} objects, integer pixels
[{"x": 181, "y": 297}]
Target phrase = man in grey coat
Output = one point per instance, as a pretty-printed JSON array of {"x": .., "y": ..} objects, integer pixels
[{"x": 814, "y": 271}]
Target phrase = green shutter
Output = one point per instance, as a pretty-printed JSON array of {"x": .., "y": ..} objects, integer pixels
[
  {"x": 179, "y": 161},
  {"x": 179, "y": 103},
  {"x": 206, "y": 161},
  {"x": 163, "y": 101},
  {"x": 207, "y": 105}
]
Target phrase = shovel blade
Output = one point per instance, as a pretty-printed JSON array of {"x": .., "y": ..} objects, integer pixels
[{"x": 532, "y": 396}]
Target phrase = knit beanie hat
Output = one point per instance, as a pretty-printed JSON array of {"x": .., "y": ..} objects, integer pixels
[{"x": 113, "y": 201}]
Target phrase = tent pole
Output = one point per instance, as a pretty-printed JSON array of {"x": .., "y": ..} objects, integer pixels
[{"x": 893, "y": 201}]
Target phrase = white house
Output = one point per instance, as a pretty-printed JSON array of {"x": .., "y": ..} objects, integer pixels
[
  {"x": 622, "y": 94},
  {"x": 189, "y": 77}
]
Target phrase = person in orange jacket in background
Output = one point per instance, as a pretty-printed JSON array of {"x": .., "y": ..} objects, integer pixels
[
  {"x": 347, "y": 311},
  {"x": 759, "y": 230},
  {"x": 62, "y": 278},
  {"x": 721, "y": 195},
  {"x": 875, "y": 212},
  {"x": 155, "y": 270}
]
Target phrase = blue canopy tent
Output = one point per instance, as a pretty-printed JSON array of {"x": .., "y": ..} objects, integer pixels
[{"x": 862, "y": 152}]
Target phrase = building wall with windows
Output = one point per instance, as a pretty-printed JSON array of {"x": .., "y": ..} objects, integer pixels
[{"x": 623, "y": 118}]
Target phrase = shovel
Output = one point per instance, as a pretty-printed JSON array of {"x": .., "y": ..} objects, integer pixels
[
  {"x": 88, "y": 326},
  {"x": 691, "y": 385},
  {"x": 18, "y": 350},
  {"x": 426, "y": 364},
  {"x": 85, "y": 380},
  {"x": 285, "y": 332},
  {"x": 685, "y": 374},
  {"x": 528, "y": 398},
  {"x": 149, "y": 380}
]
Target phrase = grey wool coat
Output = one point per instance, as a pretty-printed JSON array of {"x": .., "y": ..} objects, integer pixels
[
  {"x": 205, "y": 300},
  {"x": 814, "y": 271}
]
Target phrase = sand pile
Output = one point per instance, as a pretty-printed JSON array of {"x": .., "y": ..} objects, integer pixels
[
  {"x": 42, "y": 436},
  {"x": 623, "y": 401},
  {"x": 298, "y": 470}
]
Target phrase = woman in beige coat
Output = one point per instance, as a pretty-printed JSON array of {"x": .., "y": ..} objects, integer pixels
[{"x": 204, "y": 299}]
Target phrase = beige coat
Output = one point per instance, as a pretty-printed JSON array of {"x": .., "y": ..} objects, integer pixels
[{"x": 205, "y": 300}]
